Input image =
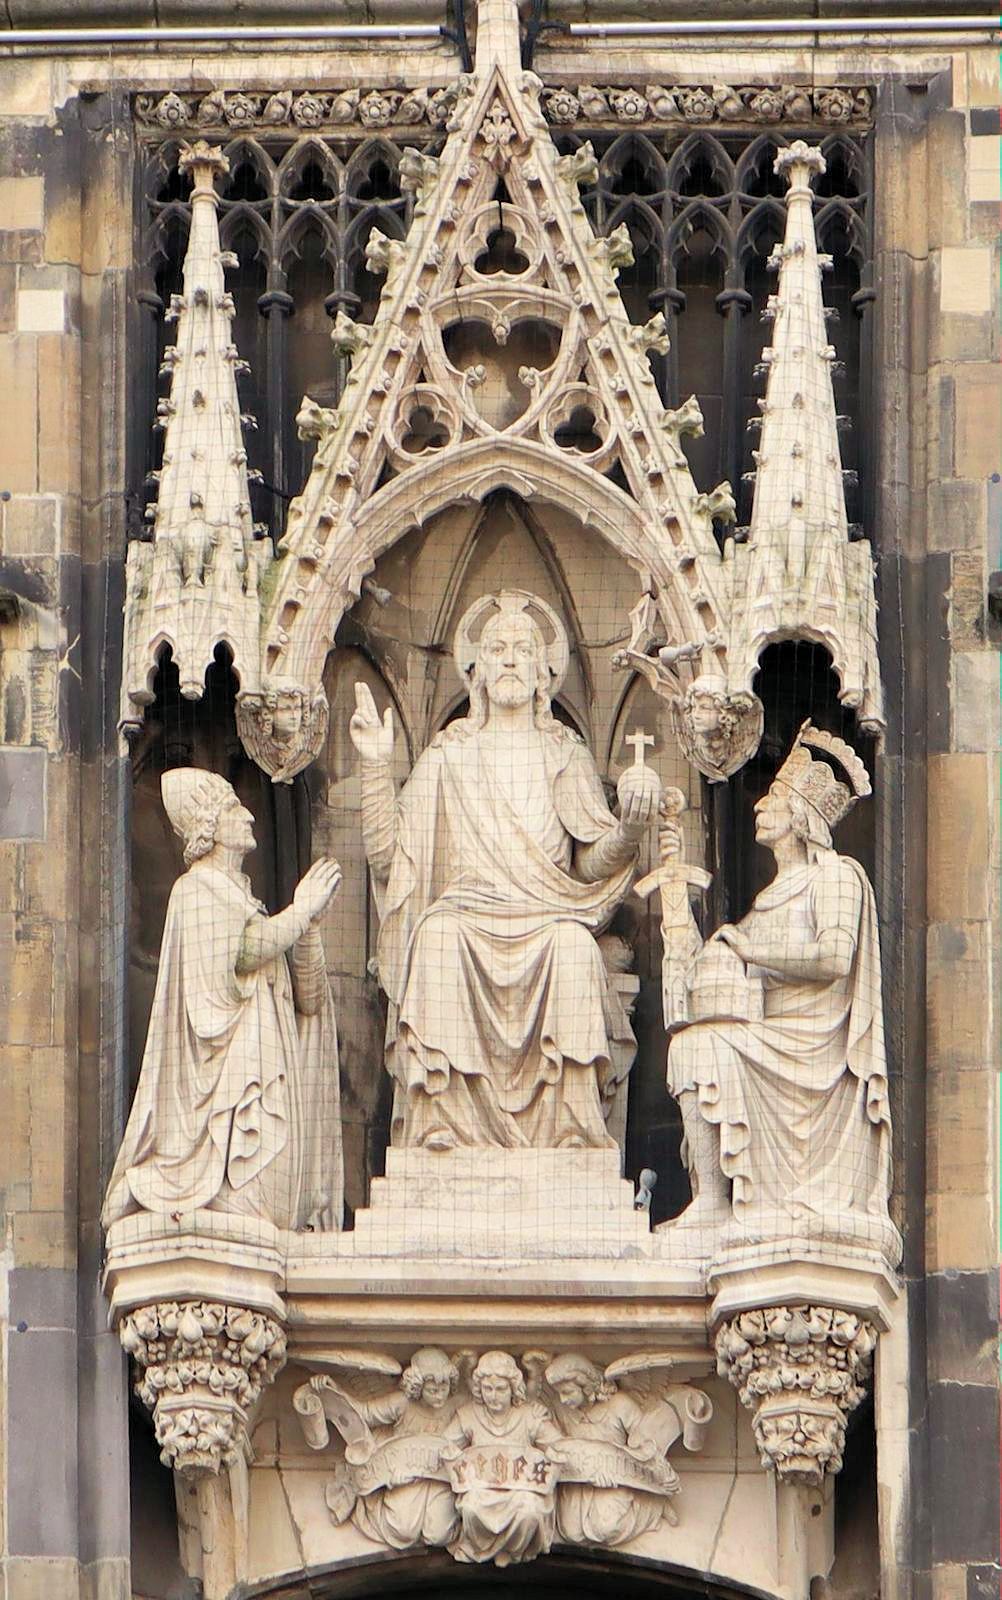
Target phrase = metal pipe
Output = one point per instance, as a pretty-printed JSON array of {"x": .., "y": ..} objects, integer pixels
[
  {"x": 818, "y": 25},
  {"x": 229, "y": 36},
  {"x": 320, "y": 32}
]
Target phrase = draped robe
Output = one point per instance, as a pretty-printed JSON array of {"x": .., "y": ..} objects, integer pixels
[
  {"x": 603, "y": 1514},
  {"x": 507, "y": 1524},
  {"x": 800, "y": 1097},
  {"x": 422, "y": 1511},
  {"x": 502, "y": 1013},
  {"x": 237, "y": 1108}
]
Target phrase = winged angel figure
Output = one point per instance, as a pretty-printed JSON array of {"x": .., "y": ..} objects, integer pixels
[
  {"x": 615, "y": 1481},
  {"x": 492, "y": 1459},
  {"x": 391, "y": 1482}
]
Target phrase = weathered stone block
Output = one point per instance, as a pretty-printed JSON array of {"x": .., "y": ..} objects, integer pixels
[
  {"x": 53, "y": 1128},
  {"x": 966, "y": 281},
  {"x": 984, "y": 84},
  {"x": 963, "y": 1325},
  {"x": 26, "y": 88},
  {"x": 58, "y": 413},
  {"x": 22, "y": 793},
  {"x": 31, "y": 526},
  {"x": 19, "y": 436},
  {"x": 978, "y": 450},
  {"x": 26, "y": 980},
  {"x": 968, "y": 599},
  {"x": 63, "y": 229},
  {"x": 942, "y": 193},
  {"x": 964, "y": 1433},
  {"x": 983, "y": 172},
  {"x": 960, "y": 1233},
  {"x": 961, "y": 1132},
  {"x": 956, "y": 519},
  {"x": 957, "y": 995},
  {"x": 958, "y": 838},
  {"x": 22, "y": 202},
  {"x": 21, "y": 248},
  {"x": 977, "y": 700},
  {"x": 41, "y": 310},
  {"x": 15, "y": 1081},
  {"x": 44, "y": 1239}
]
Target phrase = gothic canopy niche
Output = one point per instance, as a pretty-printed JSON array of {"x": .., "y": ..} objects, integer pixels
[
  {"x": 501, "y": 324},
  {"x": 502, "y": 356}
]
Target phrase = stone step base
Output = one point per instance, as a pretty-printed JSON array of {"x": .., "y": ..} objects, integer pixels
[{"x": 517, "y": 1205}]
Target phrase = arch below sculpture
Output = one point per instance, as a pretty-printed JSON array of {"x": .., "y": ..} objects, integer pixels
[
  {"x": 597, "y": 1574},
  {"x": 538, "y": 475}
]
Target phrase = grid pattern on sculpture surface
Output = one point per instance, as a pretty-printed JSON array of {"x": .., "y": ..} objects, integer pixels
[{"x": 703, "y": 210}]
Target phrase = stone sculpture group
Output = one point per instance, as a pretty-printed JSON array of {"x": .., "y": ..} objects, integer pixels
[
  {"x": 495, "y": 871},
  {"x": 494, "y": 1460},
  {"x": 497, "y": 868}
]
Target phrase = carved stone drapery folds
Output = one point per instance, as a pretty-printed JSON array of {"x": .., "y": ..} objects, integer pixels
[
  {"x": 442, "y": 407},
  {"x": 801, "y": 1371},
  {"x": 202, "y": 1367}
]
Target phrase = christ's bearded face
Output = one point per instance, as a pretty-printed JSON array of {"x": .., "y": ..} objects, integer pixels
[{"x": 508, "y": 660}]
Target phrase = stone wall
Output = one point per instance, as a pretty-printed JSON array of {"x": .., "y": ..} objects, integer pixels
[{"x": 66, "y": 321}]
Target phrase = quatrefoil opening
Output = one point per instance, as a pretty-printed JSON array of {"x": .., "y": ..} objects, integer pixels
[
  {"x": 427, "y": 421},
  {"x": 576, "y": 421}
]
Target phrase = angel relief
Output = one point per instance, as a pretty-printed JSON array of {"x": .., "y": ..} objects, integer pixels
[
  {"x": 391, "y": 1482},
  {"x": 495, "y": 1459}
]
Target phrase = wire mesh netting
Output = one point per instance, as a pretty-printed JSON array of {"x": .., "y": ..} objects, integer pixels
[{"x": 454, "y": 1045}]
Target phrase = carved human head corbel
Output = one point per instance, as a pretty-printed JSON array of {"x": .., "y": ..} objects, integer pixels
[
  {"x": 283, "y": 726},
  {"x": 718, "y": 730}
]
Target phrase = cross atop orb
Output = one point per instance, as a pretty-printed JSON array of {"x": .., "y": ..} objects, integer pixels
[{"x": 639, "y": 741}]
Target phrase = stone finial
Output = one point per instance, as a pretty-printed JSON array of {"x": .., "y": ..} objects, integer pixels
[
  {"x": 204, "y": 161},
  {"x": 799, "y": 500},
  {"x": 195, "y": 586},
  {"x": 798, "y": 575}
]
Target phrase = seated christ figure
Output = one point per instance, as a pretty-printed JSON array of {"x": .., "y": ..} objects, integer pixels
[{"x": 495, "y": 869}]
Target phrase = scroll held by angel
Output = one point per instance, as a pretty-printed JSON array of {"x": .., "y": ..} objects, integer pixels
[
  {"x": 237, "y": 1110},
  {"x": 779, "y": 1064},
  {"x": 493, "y": 1458},
  {"x": 496, "y": 868}
]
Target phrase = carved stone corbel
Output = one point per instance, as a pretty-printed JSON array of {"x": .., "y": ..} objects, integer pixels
[
  {"x": 202, "y": 1368},
  {"x": 800, "y": 1370}
]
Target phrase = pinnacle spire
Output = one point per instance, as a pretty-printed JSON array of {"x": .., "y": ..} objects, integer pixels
[
  {"x": 498, "y": 41},
  {"x": 199, "y": 575},
  {"x": 799, "y": 576},
  {"x": 799, "y": 497}
]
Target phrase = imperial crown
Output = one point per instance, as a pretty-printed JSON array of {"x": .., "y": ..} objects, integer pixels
[{"x": 816, "y": 782}]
